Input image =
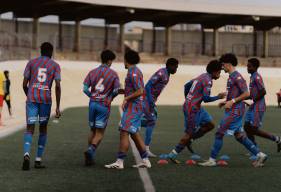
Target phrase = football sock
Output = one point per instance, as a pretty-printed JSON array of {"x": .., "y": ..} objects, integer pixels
[
  {"x": 148, "y": 135},
  {"x": 248, "y": 144},
  {"x": 121, "y": 155},
  {"x": 92, "y": 150},
  {"x": 179, "y": 147},
  {"x": 216, "y": 147},
  {"x": 143, "y": 154},
  {"x": 41, "y": 145},
  {"x": 27, "y": 142}
]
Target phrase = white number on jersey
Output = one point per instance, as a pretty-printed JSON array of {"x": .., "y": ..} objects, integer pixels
[
  {"x": 42, "y": 75},
  {"x": 99, "y": 87}
]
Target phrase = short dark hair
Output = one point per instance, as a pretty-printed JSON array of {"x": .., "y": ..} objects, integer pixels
[
  {"x": 46, "y": 49},
  {"x": 213, "y": 66},
  {"x": 6, "y": 72},
  {"x": 255, "y": 62},
  {"x": 107, "y": 55},
  {"x": 229, "y": 58},
  {"x": 132, "y": 57},
  {"x": 172, "y": 61}
]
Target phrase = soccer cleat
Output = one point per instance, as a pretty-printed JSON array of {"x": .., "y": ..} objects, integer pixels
[
  {"x": 88, "y": 159},
  {"x": 150, "y": 154},
  {"x": 38, "y": 165},
  {"x": 261, "y": 158},
  {"x": 144, "y": 164},
  {"x": 26, "y": 163},
  {"x": 172, "y": 156},
  {"x": 117, "y": 165},
  {"x": 208, "y": 163}
]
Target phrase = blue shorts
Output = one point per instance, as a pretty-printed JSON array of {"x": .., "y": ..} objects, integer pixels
[
  {"x": 130, "y": 121},
  {"x": 254, "y": 118},
  {"x": 194, "y": 120},
  {"x": 149, "y": 116},
  {"x": 98, "y": 115},
  {"x": 35, "y": 110},
  {"x": 231, "y": 123}
]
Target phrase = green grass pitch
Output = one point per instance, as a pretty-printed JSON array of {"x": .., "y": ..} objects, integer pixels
[{"x": 67, "y": 141}]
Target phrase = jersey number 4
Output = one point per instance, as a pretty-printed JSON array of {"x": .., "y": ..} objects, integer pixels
[
  {"x": 42, "y": 75},
  {"x": 99, "y": 86}
]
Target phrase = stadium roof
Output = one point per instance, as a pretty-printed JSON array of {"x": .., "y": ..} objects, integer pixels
[{"x": 209, "y": 13}]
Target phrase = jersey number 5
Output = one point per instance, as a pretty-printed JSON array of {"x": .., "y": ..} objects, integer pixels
[
  {"x": 99, "y": 87},
  {"x": 42, "y": 75}
]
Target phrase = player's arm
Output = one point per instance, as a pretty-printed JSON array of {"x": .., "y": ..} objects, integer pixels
[
  {"x": 58, "y": 97},
  {"x": 262, "y": 92},
  {"x": 86, "y": 90},
  {"x": 207, "y": 94},
  {"x": 148, "y": 87},
  {"x": 117, "y": 88},
  {"x": 25, "y": 85},
  {"x": 134, "y": 95}
]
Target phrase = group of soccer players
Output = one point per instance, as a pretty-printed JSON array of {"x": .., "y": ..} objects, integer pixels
[{"x": 138, "y": 109}]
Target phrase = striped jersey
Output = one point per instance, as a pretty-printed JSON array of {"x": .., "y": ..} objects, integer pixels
[
  {"x": 201, "y": 86},
  {"x": 156, "y": 84},
  {"x": 236, "y": 85},
  {"x": 133, "y": 82},
  {"x": 40, "y": 72},
  {"x": 104, "y": 83},
  {"x": 256, "y": 85}
]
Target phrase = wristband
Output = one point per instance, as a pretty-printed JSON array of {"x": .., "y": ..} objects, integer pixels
[{"x": 233, "y": 100}]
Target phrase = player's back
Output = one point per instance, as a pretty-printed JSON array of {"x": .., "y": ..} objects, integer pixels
[
  {"x": 103, "y": 81},
  {"x": 256, "y": 85},
  {"x": 157, "y": 83},
  {"x": 41, "y": 72},
  {"x": 200, "y": 85}
]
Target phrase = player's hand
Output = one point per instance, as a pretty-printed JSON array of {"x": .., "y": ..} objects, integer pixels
[
  {"x": 124, "y": 104},
  {"x": 222, "y": 95},
  {"x": 58, "y": 113},
  {"x": 221, "y": 104},
  {"x": 121, "y": 91},
  {"x": 228, "y": 104}
]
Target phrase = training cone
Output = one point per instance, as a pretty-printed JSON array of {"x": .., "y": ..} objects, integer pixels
[
  {"x": 222, "y": 163},
  {"x": 162, "y": 162},
  {"x": 195, "y": 157},
  {"x": 190, "y": 162}
]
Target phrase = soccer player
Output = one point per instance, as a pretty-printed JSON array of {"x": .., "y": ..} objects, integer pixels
[
  {"x": 153, "y": 89},
  {"x": 231, "y": 123},
  {"x": 101, "y": 85},
  {"x": 255, "y": 113},
  {"x": 197, "y": 121},
  {"x": 2, "y": 80},
  {"x": 39, "y": 75},
  {"x": 7, "y": 96},
  {"x": 132, "y": 112}
]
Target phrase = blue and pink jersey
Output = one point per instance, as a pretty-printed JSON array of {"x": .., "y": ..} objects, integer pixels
[
  {"x": 256, "y": 85},
  {"x": 104, "y": 83},
  {"x": 236, "y": 85},
  {"x": 156, "y": 84},
  {"x": 201, "y": 86},
  {"x": 41, "y": 72},
  {"x": 133, "y": 82}
]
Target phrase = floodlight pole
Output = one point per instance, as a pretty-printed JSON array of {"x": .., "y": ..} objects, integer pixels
[
  {"x": 35, "y": 31},
  {"x": 168, "y": 40},
  {"x": 77, "y": 36}
]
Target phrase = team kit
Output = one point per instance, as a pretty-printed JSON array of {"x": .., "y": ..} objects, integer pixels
[{"x": 139, "y": 108}]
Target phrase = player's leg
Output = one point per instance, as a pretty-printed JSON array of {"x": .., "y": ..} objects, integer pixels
[
  {"x": 101, "y": 115},
  {"x": 249, "y": 118},
  {"x": 151, "y": 116},
  {"x": 44, "y": 115},
  {"x": 189, "y": 124},
  {"x": 218, "y": 143},
  {"x": 249, "y": 145},
  {"x": 32, "y": 112},
  {"x": 122, "y": 153},
  {"x": 142, "y": 151}
]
